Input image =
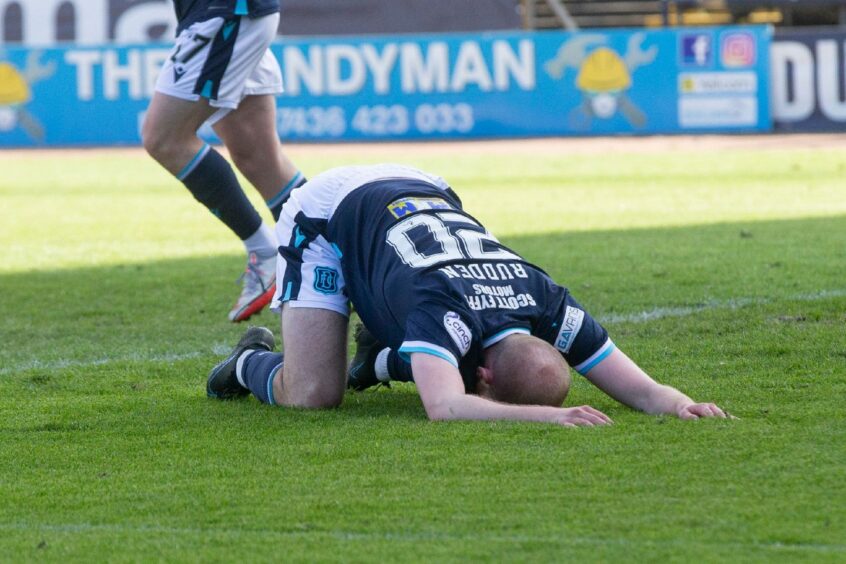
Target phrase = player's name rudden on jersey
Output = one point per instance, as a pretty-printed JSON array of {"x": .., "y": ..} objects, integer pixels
[{"x": 486, "y": 271}]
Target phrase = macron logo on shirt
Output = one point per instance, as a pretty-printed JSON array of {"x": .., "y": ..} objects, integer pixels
[{"x": 570, "y": 326}]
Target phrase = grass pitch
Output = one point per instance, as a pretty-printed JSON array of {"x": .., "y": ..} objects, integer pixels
[{"x": 721, "y": 272}]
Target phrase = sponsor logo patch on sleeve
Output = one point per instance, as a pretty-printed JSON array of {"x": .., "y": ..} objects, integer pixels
[
  {"x": 458, "y": 330},
  {"x": 570, "y": 326}
]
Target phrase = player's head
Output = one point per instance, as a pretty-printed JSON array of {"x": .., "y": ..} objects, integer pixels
[{"x": 525, "y": 370}]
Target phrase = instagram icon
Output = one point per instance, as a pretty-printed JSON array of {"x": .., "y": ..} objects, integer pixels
[{"x": 738, "y": 49}]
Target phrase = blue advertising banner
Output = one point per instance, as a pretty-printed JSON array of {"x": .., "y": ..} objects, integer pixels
[{"x": 443, "y": 86}]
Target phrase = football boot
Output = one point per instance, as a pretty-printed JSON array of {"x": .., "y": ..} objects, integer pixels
[
  {"x": 222, "y": 382},
  {"x": 258, "y": 284}
]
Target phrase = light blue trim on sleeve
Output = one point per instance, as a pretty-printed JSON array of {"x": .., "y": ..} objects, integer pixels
[
  {"x": 500, "y": 335},
  {"x": 405, "y": 354},
  {"x": 596, "y": 358}
]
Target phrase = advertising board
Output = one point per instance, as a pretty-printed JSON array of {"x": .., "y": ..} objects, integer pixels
[
  {"x": 808, "y": 78},
  {"x": 443, "y": 86}
]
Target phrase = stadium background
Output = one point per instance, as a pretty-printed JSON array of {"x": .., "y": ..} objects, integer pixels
[
  {"x": 86, "y": 76},
  {"x": 717, "y": 260}
]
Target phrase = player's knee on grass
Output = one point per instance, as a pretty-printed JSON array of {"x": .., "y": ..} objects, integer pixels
[
  {"x": 315, "y": 393},
  {"x": 315, "y": 342},
  {"x": 522, "y": 369}
]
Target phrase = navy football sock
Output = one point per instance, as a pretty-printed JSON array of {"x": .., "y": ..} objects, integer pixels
[
  {"x": 399, "y": 369},
  {"x": 213, "y": 183},
  {"x": 276, "y": 202},
  {"x": 257, "y": 371}
]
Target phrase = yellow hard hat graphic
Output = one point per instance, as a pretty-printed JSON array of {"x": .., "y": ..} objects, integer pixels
[
  {"x": 603, "y": 71},
  {"x": 13, "y": 87}
]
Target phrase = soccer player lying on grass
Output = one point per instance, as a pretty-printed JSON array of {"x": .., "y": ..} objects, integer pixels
[{"x": 486, "y": 333}]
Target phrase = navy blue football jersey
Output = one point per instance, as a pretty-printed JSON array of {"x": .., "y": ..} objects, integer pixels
[
  {"x": 191, "y": 11},
  {"x": 424, "y": 276}
]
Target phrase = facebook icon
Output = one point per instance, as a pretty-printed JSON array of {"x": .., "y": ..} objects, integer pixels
[{"x": 697, "y": 49}]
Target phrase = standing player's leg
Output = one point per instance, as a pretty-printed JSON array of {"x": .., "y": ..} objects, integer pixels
[
  {"x": 250, "y": 135},
  {"x": 205, "y": 77},
  {"x": 170, "y": 130},
  {"x": 170, "y": 138}
]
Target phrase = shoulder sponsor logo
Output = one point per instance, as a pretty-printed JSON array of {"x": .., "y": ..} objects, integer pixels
[
  {"x": 570, "y": 327},
  {"x": 458, "y": 330},
  {"x": 408, "y": 206}
]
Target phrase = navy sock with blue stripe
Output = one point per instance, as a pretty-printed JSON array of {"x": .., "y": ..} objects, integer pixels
[
  {"x": 213, "y": 183},
  {"x": 257, "y": 371},
  {"x": 276, "y": 202}
]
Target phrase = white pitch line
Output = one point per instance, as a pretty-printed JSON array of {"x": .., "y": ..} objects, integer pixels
[
  {"x": 640, "y": 317},
  {"x": 36, "y": 364},
  {"x": 736, "y": 303},
  {"x": 351, "y": 535}
]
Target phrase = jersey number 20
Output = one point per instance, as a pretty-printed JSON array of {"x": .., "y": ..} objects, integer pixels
[{"x": 459, "y": 237}]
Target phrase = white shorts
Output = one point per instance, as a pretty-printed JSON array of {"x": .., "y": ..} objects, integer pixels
[
  {"x": 308, "y": 272},
  {"x": 207, "y": 62}
]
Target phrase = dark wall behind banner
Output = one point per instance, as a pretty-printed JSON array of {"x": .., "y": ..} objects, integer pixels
[
  {"x": 117, "y": 8},
  {"x": 46, "y": 22},
  {"x": 310, "y": 17},
  {"x": 808, "y": 80}
]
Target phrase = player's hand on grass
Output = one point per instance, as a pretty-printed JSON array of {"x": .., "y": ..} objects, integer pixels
[
  {"x": 700, "y": 410},
  {"x": 582, "y": 416}
]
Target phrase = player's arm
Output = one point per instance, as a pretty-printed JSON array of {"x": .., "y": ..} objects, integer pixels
[
  {"x": 442, "y": 391},
  {"x": 619, "y": 377}
]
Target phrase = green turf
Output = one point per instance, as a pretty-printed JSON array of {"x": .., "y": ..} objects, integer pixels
[{"x": 722, "y": 273}]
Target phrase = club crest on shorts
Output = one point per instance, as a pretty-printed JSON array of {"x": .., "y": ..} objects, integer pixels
[{"x": 325, "y": 280}]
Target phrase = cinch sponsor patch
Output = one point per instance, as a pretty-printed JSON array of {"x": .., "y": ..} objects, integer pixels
[
  {"x": 408, "y": 206},
  {"x": 570, "y": 326},
  {"x": 458, "y": 330}
]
